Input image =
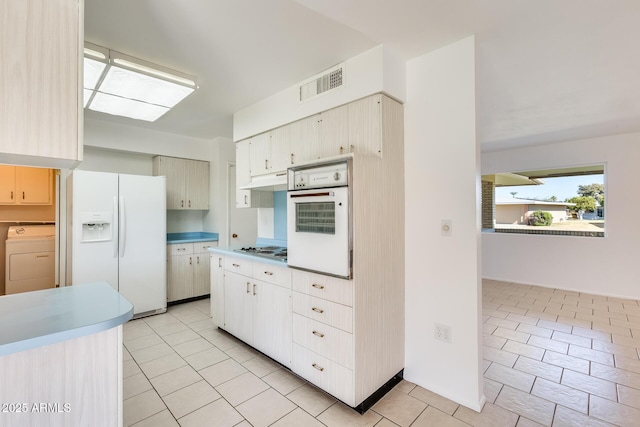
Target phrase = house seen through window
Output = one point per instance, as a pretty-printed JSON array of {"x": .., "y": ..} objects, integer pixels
[{"x": 561, "y": 201}]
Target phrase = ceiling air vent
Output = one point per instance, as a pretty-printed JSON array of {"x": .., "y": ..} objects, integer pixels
[{"x": 329, "y": 80}]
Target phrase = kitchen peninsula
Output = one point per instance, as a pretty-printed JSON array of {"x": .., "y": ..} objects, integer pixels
[{"x": 61, "y": 356}]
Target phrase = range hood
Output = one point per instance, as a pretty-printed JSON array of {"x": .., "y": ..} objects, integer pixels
[{"x": 272, "y": 182}]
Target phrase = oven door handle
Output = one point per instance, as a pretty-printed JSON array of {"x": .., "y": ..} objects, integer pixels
[{"x": 323, "y": 194}]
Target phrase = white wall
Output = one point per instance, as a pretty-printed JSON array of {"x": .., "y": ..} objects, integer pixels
[
  {"x": 442, "y": 182},
  {"x": 586, "y": 264},
  {"x": 222, "y": 151},
  {"x": 376, "y": 70},
  {"x": 111, "y": 147}
]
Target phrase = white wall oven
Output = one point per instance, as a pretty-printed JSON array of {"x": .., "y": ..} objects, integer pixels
[{"x": 319, "y": 236}]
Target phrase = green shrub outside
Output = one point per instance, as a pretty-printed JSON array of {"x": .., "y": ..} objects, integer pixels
[{"x": 540, "y": 218}]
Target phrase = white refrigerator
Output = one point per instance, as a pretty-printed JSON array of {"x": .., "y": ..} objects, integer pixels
[{"x": 118, "y": 234}]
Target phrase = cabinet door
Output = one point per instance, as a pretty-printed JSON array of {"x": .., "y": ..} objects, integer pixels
[
  {"x": 174, "y": 169},
  {"x": 272, "y": 321},
  {"x": 280, "y": 149},
  {"x": 197, "y": 185},
  {"x": 217, "y": 289},
  {"x": 260, "y": 154},
  {"x": 40, "y": 107},
  {"x": 334, "y": 132},
  {"x": 365, "y": 125},
  {"x": 238, "y": 313},
  {"x": 243, "y": 174},
  {"x": 305, "y": 141},
  {"x": 34, "y": 186},
  {"x": 7, "y": 185},
  {"x": 180, "y": 277},
  {"x": 201, "y": 284}
]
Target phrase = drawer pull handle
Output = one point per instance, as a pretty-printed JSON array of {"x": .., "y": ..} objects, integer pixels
[
  {"x": 318, "y": 334},
  {"x": 248, "y": 285},
  {"x": 315, "y": 285},
  {"x": 268, "y": 273},
  {"x": 318, "y": 367},
  {"x": 254, "y": 289},
  {"x": 236, "y": 265},
  {"x": 317, "y": 310}
]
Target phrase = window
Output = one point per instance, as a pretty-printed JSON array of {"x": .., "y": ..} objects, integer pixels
[{"x": 561, "y": 201}]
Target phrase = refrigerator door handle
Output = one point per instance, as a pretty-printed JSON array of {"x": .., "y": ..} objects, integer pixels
[
  {"x": 115, "y": 227},
  {"x": 123, "y": 227}
]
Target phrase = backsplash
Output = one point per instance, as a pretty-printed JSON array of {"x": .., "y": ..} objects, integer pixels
[{"x": 280, "y": 215}]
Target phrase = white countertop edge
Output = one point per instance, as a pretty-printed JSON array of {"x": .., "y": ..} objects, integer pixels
[{"x": 120, "y": 311}]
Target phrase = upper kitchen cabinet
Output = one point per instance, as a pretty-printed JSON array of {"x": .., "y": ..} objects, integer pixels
[
  {"x": 333, "y": 127},
  {"x": 248, "y": 198},
  {"x": 260, "y": 154},
  {"x": 41, "y": 47},
  {"x": 305, "y": 141},
  {"x": 25, "y": 186},
  {"x": 187, "y": 182},
  {"x": 281, "y": 155},
  {"x": 365, "y": 124}
]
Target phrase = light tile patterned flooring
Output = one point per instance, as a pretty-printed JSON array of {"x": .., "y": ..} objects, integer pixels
[{"x": 551, "y": 357}]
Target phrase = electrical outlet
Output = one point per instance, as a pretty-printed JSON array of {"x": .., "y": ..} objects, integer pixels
[{"x": 442, "y": 333}]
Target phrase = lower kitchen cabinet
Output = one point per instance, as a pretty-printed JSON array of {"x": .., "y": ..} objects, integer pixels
[
  {"x": 257, "y": 304},
  {"x": 188, "y": 270},
  {"x": 216, "y": 274},
  {"x": 238, "y": 302},
  {"x": 272, "y": 321},
  {"x": 179, "y": 277}
]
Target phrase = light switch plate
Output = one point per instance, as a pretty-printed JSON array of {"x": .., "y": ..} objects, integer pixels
[{"x": 445, "y": 227}]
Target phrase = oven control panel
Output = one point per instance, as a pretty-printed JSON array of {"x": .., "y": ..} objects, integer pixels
[{"x": 324, "y": 176}]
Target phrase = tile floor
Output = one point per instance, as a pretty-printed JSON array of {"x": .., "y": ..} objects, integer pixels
[{"x": 551, "y": 357}]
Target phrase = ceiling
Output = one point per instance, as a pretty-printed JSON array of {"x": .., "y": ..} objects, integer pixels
[{"x": 546, "y": 70}]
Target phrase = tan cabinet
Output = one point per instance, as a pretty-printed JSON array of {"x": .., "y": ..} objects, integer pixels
[
  {"x": 366, "y": 124},
  {"x": 323, "y": 342},
  {"x": 248, "y": 198},
  {"x": 305, "y": 140},
  {"x": 260, "y": 154},
  {"x": 257, "y": 305},
  {"x": 25, "y": 186},
  {"x": 188, "y": 270},
  {"x": 355, "y": 127},
  {"x": 270, "y": 152},
  {"x": 40, "y": 76},
  {"x": 216, "y": 269},
  {"x": 201, "y": 269},
  {"x": 187, "y": 182},
  {"x": 334, "y": 132}
]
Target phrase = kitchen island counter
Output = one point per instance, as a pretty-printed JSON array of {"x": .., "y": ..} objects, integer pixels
[
  {"x": 34, "y": 319},
  {"x": 61, "y": 357}
]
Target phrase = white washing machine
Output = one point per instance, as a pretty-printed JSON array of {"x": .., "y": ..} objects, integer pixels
[{"x": 30, "y": 258}]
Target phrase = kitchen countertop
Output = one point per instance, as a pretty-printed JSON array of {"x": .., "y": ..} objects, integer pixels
[
  {"x": 230, "y": 251},
  {"x": 35, "y": 319},
  {"x": 190, "y": 237}
]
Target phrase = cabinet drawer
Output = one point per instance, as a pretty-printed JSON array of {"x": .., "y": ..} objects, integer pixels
[
  {"x": 330, "y": 313},
  {"x": 325, "y": 287},
  {"x": 180, "y": 249},
  {"x": 329, "y": 376},
  {"x": 201, "y": 247},
  {"x": 272, "y": 274},
  {"x": 239, "y": 266},
  {"x": 325, "y": 340}
]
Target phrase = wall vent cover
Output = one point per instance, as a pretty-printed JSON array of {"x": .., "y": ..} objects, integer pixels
[{"x": 329, "y": 80}]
